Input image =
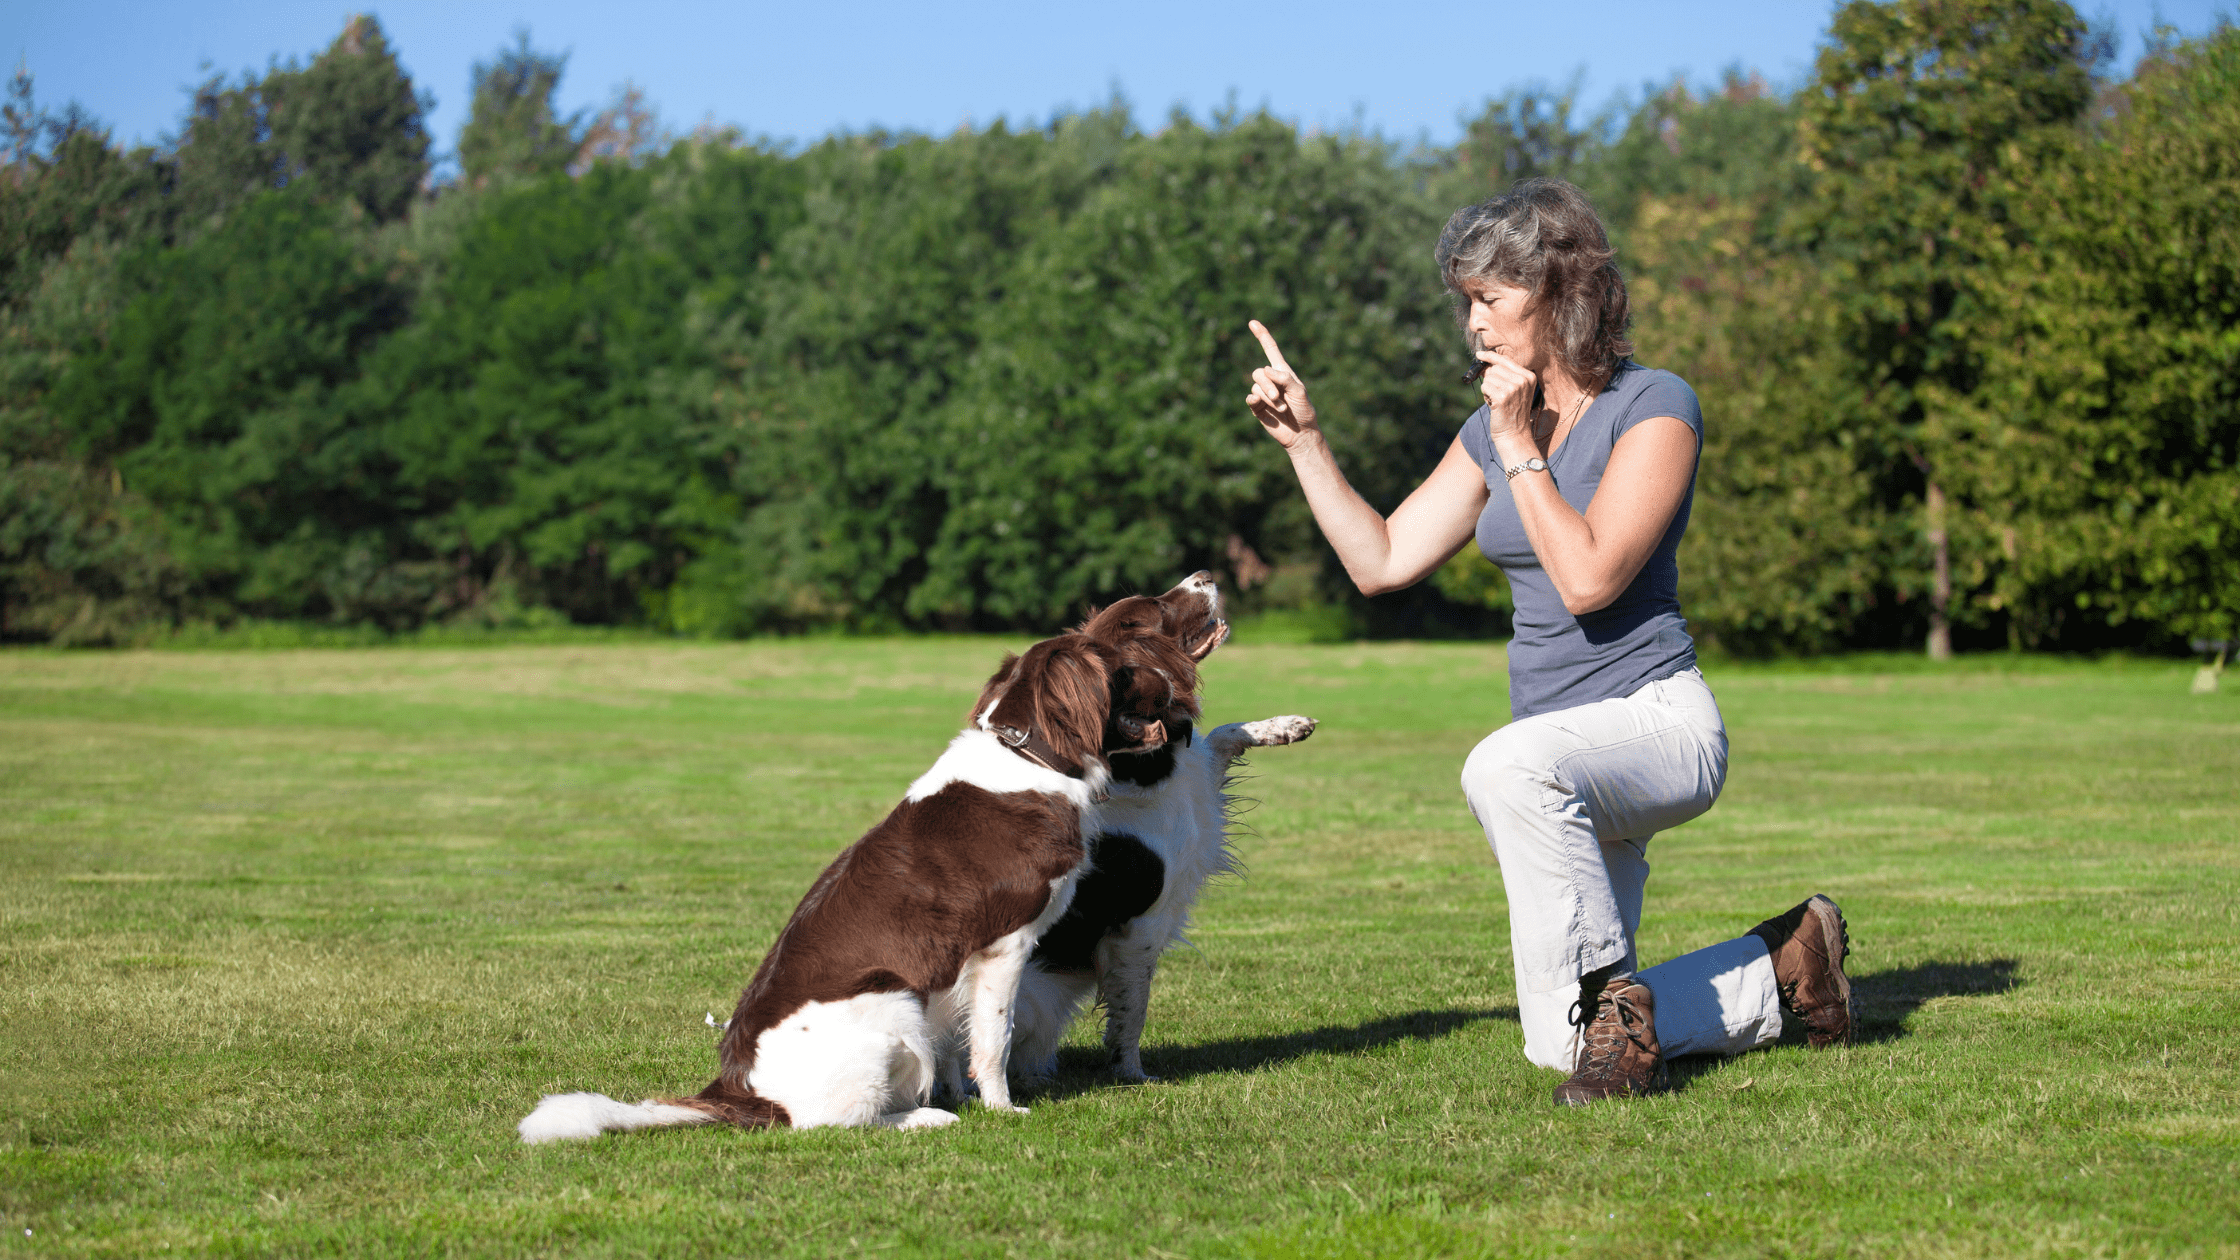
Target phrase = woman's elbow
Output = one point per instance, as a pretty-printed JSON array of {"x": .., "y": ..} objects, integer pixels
[
  {"x": 1373, "y": 587},
  {"x": 1591, "y": 599}
]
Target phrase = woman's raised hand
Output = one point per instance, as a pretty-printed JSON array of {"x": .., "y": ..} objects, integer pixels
[
  {"x": 1279, "y": 398},
  {"x": 1508, "y": 390}
]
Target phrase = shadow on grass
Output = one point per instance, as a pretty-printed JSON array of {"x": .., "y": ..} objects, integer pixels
[
  {"x": 1081, "y": 1068},
  {"x": 1887, "y": 999}
]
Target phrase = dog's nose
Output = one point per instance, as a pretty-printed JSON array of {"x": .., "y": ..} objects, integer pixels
[{"x": 1203, "y": 577}]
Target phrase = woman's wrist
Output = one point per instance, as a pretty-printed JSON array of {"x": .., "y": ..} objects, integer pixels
[
  {"x": 1310, "y": 444},
  {"x": 1511, "y": 449}
]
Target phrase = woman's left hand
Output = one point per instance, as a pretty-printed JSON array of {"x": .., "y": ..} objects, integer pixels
[{"x": 1508, "y": 390}]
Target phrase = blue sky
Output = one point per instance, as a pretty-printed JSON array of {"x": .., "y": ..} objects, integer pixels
[{"x": 799, "y": 71}]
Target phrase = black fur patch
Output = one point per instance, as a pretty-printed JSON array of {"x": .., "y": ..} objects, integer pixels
[
  {"x": 1146, "y": 769},
  {"x": 1125, "y": 878}
]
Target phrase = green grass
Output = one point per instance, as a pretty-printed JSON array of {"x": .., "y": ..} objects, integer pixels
[{"x": 290, "y": 940}]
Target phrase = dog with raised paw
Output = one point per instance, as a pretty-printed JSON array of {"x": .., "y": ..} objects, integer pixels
[
  {"x": 1161, "y": 836},
  {"x": 908, "y": 950}
]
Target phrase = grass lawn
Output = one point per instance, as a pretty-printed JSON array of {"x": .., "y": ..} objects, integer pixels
[{"x": 289, "y": 941}]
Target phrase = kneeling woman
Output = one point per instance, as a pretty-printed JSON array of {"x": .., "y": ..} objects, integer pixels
[{"x": 1576, "y": 477}]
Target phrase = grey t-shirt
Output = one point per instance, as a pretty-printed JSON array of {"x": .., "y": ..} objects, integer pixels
[{"x": 1557, "y": 660}]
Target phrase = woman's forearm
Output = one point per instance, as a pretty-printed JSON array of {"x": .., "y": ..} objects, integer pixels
[
  {"x": 1357, "y": 532},
  {"x": 1386, "y": 554},
  {"x": 1562, "y": 539},
  {"x": 1590, "y": 559}
]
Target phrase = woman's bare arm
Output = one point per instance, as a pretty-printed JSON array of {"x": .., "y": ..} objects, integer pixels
[
  {"x": 1379, "y": 554},
  {"x": 1592, "y": 558},
  {"x": 1389, "y": 554}
]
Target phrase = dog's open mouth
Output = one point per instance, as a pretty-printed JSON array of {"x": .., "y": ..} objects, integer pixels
[
  {"x": 1149, "y": 735},
  {"x": 1201, "y": 642}
]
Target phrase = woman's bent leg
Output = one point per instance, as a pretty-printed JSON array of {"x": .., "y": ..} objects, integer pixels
[
  {"x": 1559, "y": 794},
  {"x": 1550, "y": 1040},
  {"x": 1721, "y": 999}
]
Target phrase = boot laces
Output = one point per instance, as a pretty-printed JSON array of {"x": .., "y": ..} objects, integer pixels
[{"x": 1602, "y": 1038}]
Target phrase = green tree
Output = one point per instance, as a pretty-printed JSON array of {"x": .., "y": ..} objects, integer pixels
[
  {"x": 511, "y": 127},
  {"x": 352, "y": 123},
  {"x": 212, "y": 395},
  {"x": 1098, "y": 447},
  {"x": 548, "y": 409},
  {"x": 2101, "y": 451},
  {"x": 1914, "y": 108}
]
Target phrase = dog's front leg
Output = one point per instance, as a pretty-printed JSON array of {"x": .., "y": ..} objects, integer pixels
[
  {"x": 1230, "y": 741},
  {"x": 1124, "y": 986},
  {"x": 995, "y": 991}
]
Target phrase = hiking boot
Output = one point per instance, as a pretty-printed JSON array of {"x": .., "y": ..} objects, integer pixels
[
  {"x": 1809, "y": 944},
  {"x": 1617, "y": 1048}
]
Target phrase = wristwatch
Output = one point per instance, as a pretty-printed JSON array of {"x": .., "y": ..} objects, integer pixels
[{"x": 1535, "y": 464}]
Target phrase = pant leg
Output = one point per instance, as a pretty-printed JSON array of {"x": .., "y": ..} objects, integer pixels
[
  {"x": 1568, "y": 800},
  {"x": 1721, "y": 999},
  {"x": 1549, "y": 1038}
]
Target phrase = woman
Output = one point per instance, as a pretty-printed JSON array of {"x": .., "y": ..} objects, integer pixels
[{"x": 1576, "y": 477}]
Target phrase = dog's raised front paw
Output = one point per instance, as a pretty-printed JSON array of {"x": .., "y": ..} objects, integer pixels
[
  {"x": 1269, "y": 732},
  {"x": 1005, "y": 1110}
]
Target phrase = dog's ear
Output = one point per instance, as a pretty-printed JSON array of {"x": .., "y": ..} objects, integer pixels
[
  {"x": 1062, "y": 690},
  {"x": 993, "y": 688},
  {"x": 1073, "y": 699}
]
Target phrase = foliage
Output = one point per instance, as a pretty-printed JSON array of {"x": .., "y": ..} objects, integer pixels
[
  {"x": 512, "y": 128},
  {"x": 349, "y": 124},
  {"x": 2103, "y": 450},
  {"x": 1960, "y": 313},
  {"x": 213, "y": 395}
]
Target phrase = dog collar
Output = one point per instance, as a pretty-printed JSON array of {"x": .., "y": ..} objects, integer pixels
[{"x": 1023, "y": 741}]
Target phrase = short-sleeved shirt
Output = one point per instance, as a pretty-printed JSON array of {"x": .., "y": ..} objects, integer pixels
[{"x": 1558, "y": 660}]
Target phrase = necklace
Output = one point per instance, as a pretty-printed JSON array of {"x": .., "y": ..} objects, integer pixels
[{"x": 1578, "y": 406}]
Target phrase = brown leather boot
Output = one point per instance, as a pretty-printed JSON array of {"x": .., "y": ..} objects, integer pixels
[
  {"x": 1809, "y": 944},
  {"x": 1617, "y": 1051}
]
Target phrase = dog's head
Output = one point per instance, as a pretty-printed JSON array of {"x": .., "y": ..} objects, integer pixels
[
  {"x": 1121, "y": 686},
  {"x": 1190, "y": 615},
  {"x": 1157, "y": 643},
  {"x": 1054, "y": 702}
]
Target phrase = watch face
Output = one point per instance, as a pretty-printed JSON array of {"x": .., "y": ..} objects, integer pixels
[{"x": 1536, "y": 464}]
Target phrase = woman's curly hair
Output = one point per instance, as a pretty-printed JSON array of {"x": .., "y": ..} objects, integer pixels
[{"x": 1544, "y": 237}]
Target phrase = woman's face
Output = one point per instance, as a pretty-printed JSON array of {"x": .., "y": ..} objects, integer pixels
[{"x": 1497, "y": 321}]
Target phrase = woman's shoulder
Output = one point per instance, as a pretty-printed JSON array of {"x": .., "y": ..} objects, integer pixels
[{"x": 1644, "y": 392}]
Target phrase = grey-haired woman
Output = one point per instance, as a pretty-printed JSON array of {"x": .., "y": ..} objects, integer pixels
[{"x": 1576, "y": 478}]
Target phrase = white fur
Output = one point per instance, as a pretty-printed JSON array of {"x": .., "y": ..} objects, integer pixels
[
  {"x": 847, "y": 1063},
  {"x": 1184, "y": 820},
  {"x": 977, "y": 757},
  {"x": 560, "y": 1117}
]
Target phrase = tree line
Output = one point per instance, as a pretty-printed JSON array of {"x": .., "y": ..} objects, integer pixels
[{"x": 1961, "y": 310}]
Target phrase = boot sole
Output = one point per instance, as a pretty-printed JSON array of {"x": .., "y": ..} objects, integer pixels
[{"x": 1835, "y": 935}]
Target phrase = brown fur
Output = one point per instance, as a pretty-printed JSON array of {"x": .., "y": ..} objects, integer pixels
[{"x": 904, "y": 907}]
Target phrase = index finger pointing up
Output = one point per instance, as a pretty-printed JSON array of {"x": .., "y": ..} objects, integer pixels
[{"x": 1268, "y": 343}]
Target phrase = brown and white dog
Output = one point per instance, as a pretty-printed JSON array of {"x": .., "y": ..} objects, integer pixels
[
  {"x": 913, "y": 941},
  {"x": 1163, "y": 833}
]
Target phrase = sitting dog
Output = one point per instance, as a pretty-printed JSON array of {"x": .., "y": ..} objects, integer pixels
[
  {"x": 914, "y": 939},
  {"x": 1161, "y": 836}
]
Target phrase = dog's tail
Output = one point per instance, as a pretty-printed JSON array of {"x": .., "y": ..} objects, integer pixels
[{"x": 564, "y": 1117}]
